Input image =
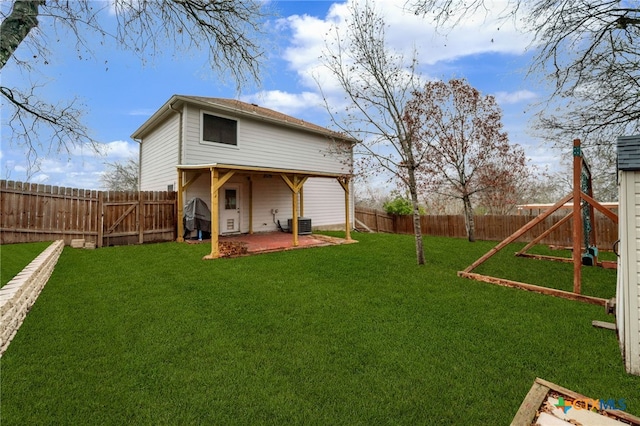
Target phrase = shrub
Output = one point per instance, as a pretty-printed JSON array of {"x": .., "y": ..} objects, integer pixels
[{"x": 400, "y": 205}]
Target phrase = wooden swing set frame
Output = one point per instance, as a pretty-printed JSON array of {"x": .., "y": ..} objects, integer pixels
[{"x": 577, "y": 196}]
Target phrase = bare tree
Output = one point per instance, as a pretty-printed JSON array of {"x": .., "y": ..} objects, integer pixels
[
  {"x": 227, "y": 29},
  {"x": 377, "y": 83},
  {"x": 508, "y": 184},
  {"x": 589, "y": 52},
  {"x": 121, "y": 176},
  {"x": 466, "y": 150}
]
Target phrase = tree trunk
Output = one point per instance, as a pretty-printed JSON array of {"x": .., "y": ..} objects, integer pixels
[
  {"x": 16, "y": 26},
  {"x": 468, "y": 219},
  {"x": 417, "y": 227}
]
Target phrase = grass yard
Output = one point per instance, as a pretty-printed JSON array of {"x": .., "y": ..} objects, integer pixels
[
  {"x": 14, "y": 257},
  {"x": 353, "y": 334}
]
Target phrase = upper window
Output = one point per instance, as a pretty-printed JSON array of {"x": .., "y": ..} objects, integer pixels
[{"x": 220, "y": 130}]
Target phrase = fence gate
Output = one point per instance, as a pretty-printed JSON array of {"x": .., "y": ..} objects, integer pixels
[{"x": 137, "y": 217}]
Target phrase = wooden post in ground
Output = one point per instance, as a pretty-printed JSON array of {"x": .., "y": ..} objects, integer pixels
[
  {"x": 215, "y": 215},
  {"x": 141, "y": 224},
  {"x": 295, "y": 185},
  {"x": 100, "y": 219},
  {"x": 344, "y": 183},
  {"x": 216, "y": 183},
  {"x": 180, "y": 203},
  {"x": 577, "y": 217},
  {"x": 250, "y": 205}
]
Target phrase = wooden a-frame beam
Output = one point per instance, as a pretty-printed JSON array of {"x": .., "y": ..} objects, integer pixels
[
  {"x": 519, "y": 233},
  {"x": 295, "y": 184},
  {"x": 602, "y": 209},
  {"x": 544, "y": 234}
]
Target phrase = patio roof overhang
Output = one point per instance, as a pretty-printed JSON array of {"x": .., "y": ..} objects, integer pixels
[
  {"x": 221, "y": 173},
  {"x": 258, "y": 169}
]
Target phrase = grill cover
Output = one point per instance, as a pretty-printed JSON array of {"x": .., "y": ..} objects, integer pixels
[{"x": 197, "y": 216}]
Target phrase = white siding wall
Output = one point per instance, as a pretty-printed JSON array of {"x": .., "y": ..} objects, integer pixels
[
  {"x": 159, "y": 156},
  {"x": 635, "y": 328},
  {"x": 324, "y": 204},
  {"x": 270, "y": 193},
  {"x": 628, "y": 293},
  {"x": 260, "y": 144},
  {"x": 323, "y": 199}
]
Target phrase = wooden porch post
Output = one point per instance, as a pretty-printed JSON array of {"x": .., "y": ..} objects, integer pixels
[
  {"x": 215, "y": 213},
  {"x": 295, "y": 186},
  {"x": 216, "y": 184},
  {"x": 180, "y": 202},
  {"x": 301, "y": 201},
  {"x": 294, "y": 220},
  {"x": 250, "y": 205},
  {"x": 344, "y": 182},
  {"x": 577, "y": 218}
]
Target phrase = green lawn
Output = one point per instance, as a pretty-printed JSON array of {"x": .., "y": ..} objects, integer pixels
[
  {"x": 14, "y": 257},
  {"x": 353, "y": 334}
]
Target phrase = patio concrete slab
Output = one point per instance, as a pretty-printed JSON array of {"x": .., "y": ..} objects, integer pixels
[{"x": 265, "y": 242}]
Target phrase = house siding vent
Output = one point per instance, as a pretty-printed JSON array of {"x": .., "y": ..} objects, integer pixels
[{"x": 629, "y": 153}]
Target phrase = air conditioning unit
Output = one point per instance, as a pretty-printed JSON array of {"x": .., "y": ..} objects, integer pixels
[{"x": 304, "y": 225}]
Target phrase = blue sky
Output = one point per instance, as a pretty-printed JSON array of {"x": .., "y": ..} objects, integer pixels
[{"x": 120, "y": 92}]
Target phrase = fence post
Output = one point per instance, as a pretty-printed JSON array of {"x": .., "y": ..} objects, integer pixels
[
  {"x": 99, "y": 219},
  {"x": 141, "y": 223}
]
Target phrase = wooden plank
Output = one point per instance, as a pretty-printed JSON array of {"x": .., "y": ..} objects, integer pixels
[
  {"x": 530, "y": 405},
  {"x": 545, "y": 257},
  {"x": 618, "y": 414},
  {"x": 535, "y": 288},
  {"x": 604, "y": 324},
  {"x": 49, "y": 231}
]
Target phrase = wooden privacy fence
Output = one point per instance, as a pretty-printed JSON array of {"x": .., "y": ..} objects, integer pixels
[
  {"x": 35, "y": 212},
  {"x": 490, "y": 227}
]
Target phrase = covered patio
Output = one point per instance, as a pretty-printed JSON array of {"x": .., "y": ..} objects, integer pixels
[
  {"x": 294, "y": 180},
  {"x": 266, "y": 242}
]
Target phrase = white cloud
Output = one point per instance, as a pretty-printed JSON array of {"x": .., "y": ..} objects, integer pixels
[
  {"x": 475, "y": 34},
  {"x": 121, "y": 149},
  {"x": 405, "y": 33},
  {"x": 53, "y": 165},
  {"x": 40, "y": 178},
  {"x": 287, "y": 103},
  {"x": 504, "y": 98},
  {"x": 114, "y": 150}
]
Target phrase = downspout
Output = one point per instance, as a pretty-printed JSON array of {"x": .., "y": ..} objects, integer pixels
[
  {"x": 139, "y": 165},
  {"x": 180, "y": 112},
  {"x": 179, "y": 191}
]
